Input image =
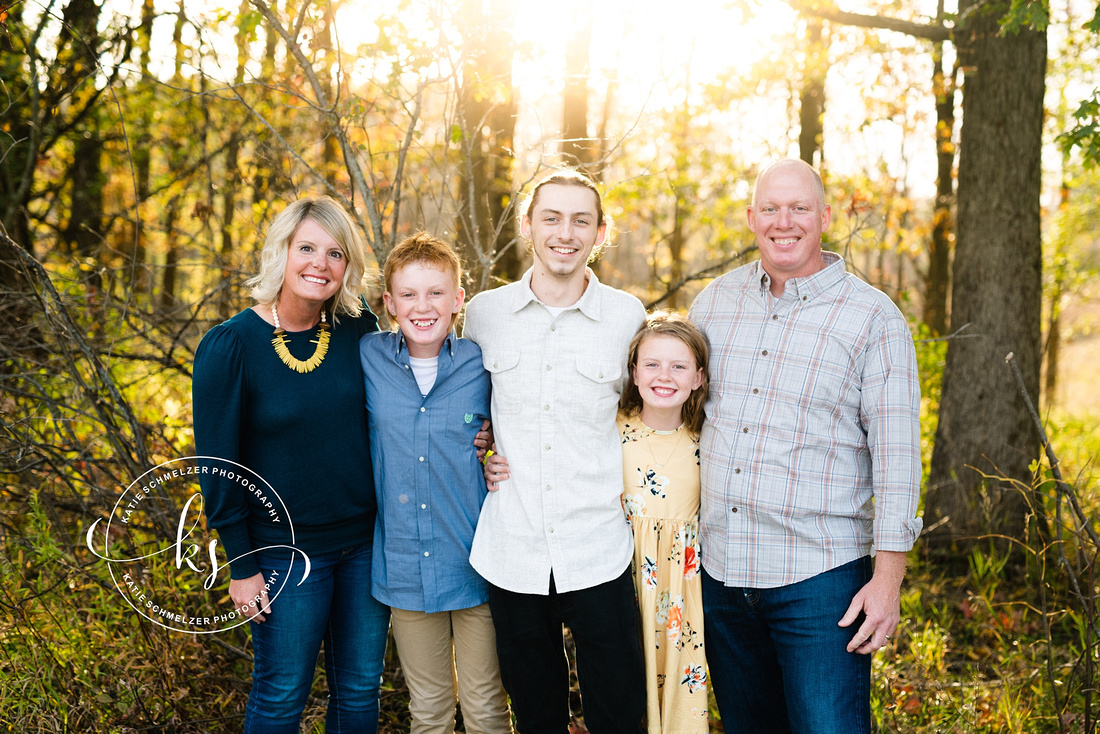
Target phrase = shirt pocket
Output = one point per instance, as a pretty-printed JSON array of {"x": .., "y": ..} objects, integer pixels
[
  {"x": 508, "y": 388},
  {"x": 831, "y": 384},
  {"x": 597, "y": 396},
  {"x": 461, "y": 422}
]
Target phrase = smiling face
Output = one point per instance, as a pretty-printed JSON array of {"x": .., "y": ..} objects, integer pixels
[
  {"x": 423, "y": 298},
  {"x": 563, "y": 227},
  {"x": 666, "y": 374},
  {"x": 788, "y": 216},
  {"x": 315, "y": 266}
]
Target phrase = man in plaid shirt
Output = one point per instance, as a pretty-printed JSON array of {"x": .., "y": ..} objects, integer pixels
[{"x": 810, "y": 465}]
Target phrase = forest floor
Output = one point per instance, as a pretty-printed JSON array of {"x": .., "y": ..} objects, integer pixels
[{"x": 992, "y": 640}]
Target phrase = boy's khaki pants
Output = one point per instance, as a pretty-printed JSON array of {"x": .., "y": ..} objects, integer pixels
[{"x": 445, "y": 651}]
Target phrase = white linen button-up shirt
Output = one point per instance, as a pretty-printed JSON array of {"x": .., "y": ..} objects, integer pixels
[{"x": 556, "y": 384}]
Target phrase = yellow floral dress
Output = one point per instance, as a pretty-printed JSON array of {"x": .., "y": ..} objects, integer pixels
[{"x": 661, "y": 501}]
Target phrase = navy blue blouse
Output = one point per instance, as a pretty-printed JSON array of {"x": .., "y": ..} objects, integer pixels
[{"x": 304, "y": 433}]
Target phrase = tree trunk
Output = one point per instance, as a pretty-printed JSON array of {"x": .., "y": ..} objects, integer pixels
[
  {"x": 77, "y": 46},
  {"x": 18, "y": 150},
  {"x": 938, "y": 277},
  {"x": 1058, "y": 289},
  {"x": 331, "y": 156},
  {"x": 676, "y": 253},
  {"x": 486, "y": 221},
  {"x": 264, "y": 155},
  {"x": 145, "y": 95},
  {"x": 84, "y": 232},
  {"x": 167, "y": 295},
  {"x": 507, "y": 248},
  {"x": 997, "y": 289},
  {"x": 231, "y": 184},
  {"x": 811, "y": 111},
  {"x": 601, "y": 144},
  {"x": 18, "y": 330},
  {"x": 576, "y": 146}
]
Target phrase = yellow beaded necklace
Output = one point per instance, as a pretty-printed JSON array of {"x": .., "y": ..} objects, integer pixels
[{"x": 279, "y": 342}]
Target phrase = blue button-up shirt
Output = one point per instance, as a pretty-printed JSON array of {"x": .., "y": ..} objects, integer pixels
[{"x": 426, "y": 474}]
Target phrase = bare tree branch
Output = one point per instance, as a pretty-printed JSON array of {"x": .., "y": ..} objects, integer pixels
[
  {"x": 402, "y": 155},
  {"x": 374, "y": 235},
  {"x": 828, "y": 11},
  {"x": 712, "y": 272},
  {"x": 105, "y": 401}
]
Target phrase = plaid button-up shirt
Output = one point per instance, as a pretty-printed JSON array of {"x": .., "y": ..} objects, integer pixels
[{"x": 811, "y": 447}]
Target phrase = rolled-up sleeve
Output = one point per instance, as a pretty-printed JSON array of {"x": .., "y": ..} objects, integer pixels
[{"x": 891, "y": 415}]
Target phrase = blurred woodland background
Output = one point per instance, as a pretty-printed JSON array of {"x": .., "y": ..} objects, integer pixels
[{"x": 146, "y": 144}]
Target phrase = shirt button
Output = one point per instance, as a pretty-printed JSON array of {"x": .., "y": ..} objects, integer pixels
[
  {"x": 732, "y": 510},
  {"x": 423, "y": 507},
  {"x": 551, "y": 530},
  {"x": 755, "y": 391},
  {"x": 422, "y": 409},
  {"x": 426, "y": 554},
  {"x": 746, "y": 430},
  {"x": 736, "y": 471},
  {"x": 547, "y": 447},
  {"x": 553, "y": 327},
  {"x": 422, "y": 458},
  {"x": 803, "y": 298},
  {"x": 765, "y": 352},
  {"x": 547, "y": 487},
  {"x": 548, "y": 368},
  {"x": 546, "y": 407},
  {"x": 406, "y": 366},
  {"x": 775, "y": 316},
  {"x": 495, "y": 364}
]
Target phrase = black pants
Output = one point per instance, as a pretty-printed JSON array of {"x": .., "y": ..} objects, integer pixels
[{"x": 533, "y": 666}]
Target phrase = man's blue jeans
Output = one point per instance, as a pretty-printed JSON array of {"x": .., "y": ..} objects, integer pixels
[
  {"x": 777, "y": 658},
  {"x": 333, "y": 606}
]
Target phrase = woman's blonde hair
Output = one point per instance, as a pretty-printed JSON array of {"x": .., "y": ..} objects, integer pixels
[
  {"x": 331, "y": 217},
  {"x": 667, "y": 323}
]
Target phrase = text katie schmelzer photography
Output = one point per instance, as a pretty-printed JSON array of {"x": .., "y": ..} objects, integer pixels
[{"x": 170, "y": 568}]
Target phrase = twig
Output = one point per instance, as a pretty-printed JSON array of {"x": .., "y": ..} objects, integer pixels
[
  {"x": 1083, "y": 523},
  {"x": 355, "y": 171},
  {"x": 956, "y": 334},
  {"x": 711, "y": 272},
  {"x": 1055, "y": 469},
  {"x": 131, "y": 453}
]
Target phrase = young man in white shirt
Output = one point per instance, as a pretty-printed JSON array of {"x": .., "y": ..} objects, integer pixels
[{"x": 553, "y": 542}]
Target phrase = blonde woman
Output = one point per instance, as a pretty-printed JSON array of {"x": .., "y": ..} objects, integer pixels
[{"x": 278, "y": 388}]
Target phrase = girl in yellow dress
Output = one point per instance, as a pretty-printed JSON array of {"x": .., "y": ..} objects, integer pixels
[{"x": 661, "y": 413}]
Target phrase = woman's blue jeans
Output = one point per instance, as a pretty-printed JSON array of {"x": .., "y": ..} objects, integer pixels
[
  {"x": 778, "y": 661},
  {"x": 333, "y": 606}
]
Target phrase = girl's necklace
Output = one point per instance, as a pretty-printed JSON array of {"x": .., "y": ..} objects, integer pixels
[
  {"x": 652, "y": 432},
  {"x": 279, "y": 342}
]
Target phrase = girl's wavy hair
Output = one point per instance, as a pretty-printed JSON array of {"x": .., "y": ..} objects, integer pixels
[
  {"x": 331, "y": 217},
  {"x": 667, "y": 323}
]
